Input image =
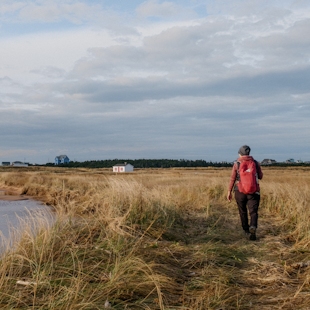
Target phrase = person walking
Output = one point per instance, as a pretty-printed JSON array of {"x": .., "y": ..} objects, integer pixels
[{"x": 244, "y": 178}]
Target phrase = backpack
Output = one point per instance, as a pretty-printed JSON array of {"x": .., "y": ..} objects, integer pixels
[{"x": 247, "y": 176}]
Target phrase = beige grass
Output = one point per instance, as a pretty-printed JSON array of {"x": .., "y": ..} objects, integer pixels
[{"x": 158, "y": 239}]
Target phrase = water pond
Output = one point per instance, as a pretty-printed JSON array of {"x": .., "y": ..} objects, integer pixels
[{"x": 17, "y": 212}]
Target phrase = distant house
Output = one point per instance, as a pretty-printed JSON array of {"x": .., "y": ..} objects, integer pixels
[
  {"x": 19, "y": 164},
  {"x": 125, "y": 167},
  {"x": 6, "y": 163},
  {"x": 290, "y": 161},
  {"x": 268, "y": 162},
  {"x": 62, "y": 159}
]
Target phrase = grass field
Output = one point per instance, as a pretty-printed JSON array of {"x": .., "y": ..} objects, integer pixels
[{"x": 158, "y": 239}]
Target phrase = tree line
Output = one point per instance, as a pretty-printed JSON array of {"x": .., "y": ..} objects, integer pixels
[
  {"x": 162, "y": 163},
  {"x": 145, "y": 163}
]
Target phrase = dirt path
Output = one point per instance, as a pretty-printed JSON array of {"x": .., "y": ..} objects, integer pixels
[
  {"x": 264, "y": 274},
  {"x": 271, "y": 276},
  {"x": 215, "y": 266}
]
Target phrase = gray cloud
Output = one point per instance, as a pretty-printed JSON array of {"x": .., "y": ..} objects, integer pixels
[
  {"x": 294, "y": 81},
  {"x": 192, "y": 88}
]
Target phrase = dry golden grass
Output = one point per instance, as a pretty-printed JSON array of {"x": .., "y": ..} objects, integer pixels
[{"x": 158, "y": 239}]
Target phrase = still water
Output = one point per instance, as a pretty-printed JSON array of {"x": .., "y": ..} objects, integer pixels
[{"x": 16, "y": 214}]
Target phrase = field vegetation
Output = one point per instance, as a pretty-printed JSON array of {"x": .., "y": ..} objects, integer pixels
[{"x": 157, "y": 239}]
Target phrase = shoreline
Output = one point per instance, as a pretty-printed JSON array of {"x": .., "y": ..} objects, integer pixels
[{"x": 11, "y": 194}]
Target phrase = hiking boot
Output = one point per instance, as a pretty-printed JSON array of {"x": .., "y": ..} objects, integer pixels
[
  {"x": 252, "y": 230},
  {"x": 252, "y": 237}
]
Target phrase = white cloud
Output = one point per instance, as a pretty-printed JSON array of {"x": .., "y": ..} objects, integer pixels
[
  {"x": 100, "y": 85},
  {"x": 25, "y": 55},
  {"x": 155, "y": 8},
  {"x": 8, "y": 7},
  {"x": 51, "y": 11}
]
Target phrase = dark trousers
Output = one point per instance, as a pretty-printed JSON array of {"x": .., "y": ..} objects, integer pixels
[{"x": 247, "y": 204}]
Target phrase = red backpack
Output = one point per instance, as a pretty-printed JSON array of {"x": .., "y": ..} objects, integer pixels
[{"x": 248, "y": 178}]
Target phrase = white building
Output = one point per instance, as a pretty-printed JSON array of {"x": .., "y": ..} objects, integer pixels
[
  {"x": 125, "y": 167},
  {"x": 19, "y": 164}
]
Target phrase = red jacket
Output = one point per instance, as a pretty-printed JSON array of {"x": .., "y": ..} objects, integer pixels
[{"x": 233, "y": 176}]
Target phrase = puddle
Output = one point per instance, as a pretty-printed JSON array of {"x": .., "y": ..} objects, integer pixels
[{"x": 17, "y": 213}]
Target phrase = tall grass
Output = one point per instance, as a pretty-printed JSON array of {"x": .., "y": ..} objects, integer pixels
[
  {"x": 287, "y": 194},
  {"x": 147, "y": 240}
]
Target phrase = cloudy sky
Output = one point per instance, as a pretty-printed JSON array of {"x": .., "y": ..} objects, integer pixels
[{"x": 194, "y": 79}]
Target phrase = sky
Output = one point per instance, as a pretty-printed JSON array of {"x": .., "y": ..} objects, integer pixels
[{"x": 195, "y": 79}]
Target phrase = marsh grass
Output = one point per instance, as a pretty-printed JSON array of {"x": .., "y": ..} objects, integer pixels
[
  {"x": 156, "y": 239},
  {"x": 289, "y": 198}
]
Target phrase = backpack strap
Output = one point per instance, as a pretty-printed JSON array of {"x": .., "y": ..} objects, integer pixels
[{"x": 237, "y": 162}]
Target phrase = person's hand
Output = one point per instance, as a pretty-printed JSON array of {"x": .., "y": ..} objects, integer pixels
[{"x": 229, "y": 196}]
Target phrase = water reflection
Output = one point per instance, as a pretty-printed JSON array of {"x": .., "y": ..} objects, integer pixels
[{"x": 14, "y": 214}]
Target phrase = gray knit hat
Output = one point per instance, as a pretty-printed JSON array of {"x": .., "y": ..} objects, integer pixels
[{"x": 244, "y": 150}]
